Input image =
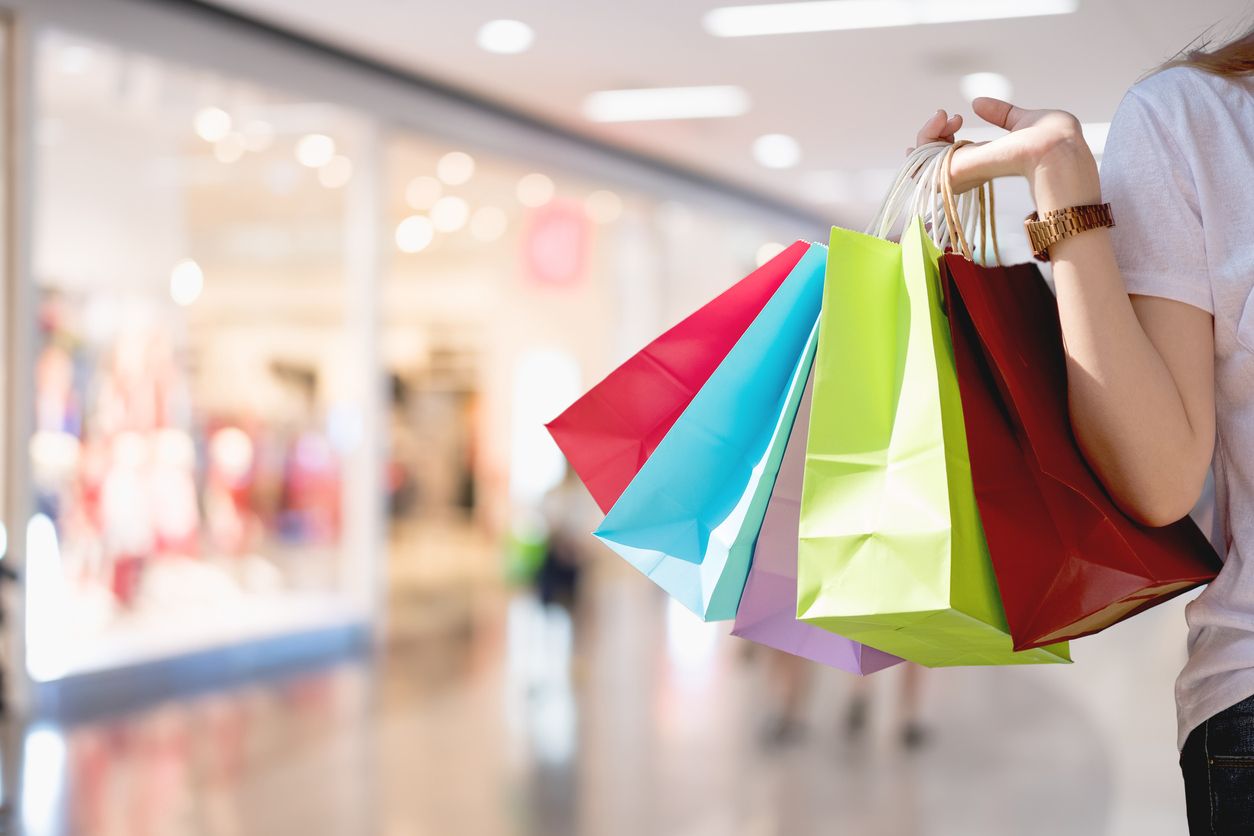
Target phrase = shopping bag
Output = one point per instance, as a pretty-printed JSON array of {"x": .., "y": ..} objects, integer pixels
[
  {"x": 1068, "y": 561},
  {"x": 768, "y": 608},
  {"x": 689, "y": 518},
  {"x": 891, "y": 552},
  {"x": 608, "y": 433}
]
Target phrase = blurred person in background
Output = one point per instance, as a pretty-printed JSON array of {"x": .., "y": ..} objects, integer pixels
[
  {"x": 569, "y": 515},
  {"x": 792, "y": 679},
  {"x": 546, "y": 550},
  {"x": 1159, "y": 338}
]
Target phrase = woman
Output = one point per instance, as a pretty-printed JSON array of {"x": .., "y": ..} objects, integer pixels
[{"x": 1158, "y": 321}]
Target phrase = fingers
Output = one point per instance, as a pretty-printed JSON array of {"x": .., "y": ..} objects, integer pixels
[
  {"x": 932, "y": 129},
  {"x": 940, "y": 127},
  {"x": 951, "y": 127},
  {"x": 999, "y": 113}
]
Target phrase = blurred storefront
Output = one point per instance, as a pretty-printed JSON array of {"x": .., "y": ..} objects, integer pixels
[
  {"x": 509, "y": 289},
  {"x": 287, "y": 328},
  {"x": 198, "y": 405}
]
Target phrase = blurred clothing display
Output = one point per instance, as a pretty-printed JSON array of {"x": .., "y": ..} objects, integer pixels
[{"x": 184, "y": 448}]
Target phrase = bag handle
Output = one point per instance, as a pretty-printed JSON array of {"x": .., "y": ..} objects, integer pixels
[
  {"x": 894, "y": 202},
  {"x": 915, "y": 192},
  {"x": 923, "y": 187},
  {"x": 987, "y": 217}
]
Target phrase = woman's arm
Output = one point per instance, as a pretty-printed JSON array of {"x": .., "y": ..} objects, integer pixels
[{"x": 1140, "y": 369}]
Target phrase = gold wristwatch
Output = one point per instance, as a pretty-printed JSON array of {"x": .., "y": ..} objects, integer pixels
[{"x": 1060, "y": 224}]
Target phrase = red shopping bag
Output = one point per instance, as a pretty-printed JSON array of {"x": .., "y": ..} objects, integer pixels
[
  {"x": 609, "y": 433},
  {"x": 1068, "y": 562}
]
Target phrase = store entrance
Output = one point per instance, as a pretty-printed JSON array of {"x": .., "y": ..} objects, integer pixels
[
  {"x": 440, "y": 545},
  {"x": 495, "y": 301}
]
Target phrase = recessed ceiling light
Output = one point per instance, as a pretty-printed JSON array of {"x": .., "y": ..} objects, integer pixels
[
  {"x": 211, "y": 123},
  {"x": 449, "y": 213},
  {"x": 996, "y": 85},
  {"x": 535, "y": 190},
  {"x": 414, "y": 234},
  {"x": 666, "y": 103},
  {"x": 830, "y": 15},
  {"x": 186, "y": 282},
  {"x": 768, "y": 251},
  {"x": 455, "y": 168},
  {"x": 315, "y": 150},
  {"x": 776, "y": 151},
  {"x": 506, "y": 37}
]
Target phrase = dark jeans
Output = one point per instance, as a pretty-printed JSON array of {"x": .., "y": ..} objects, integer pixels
[{"x": 1218, "y": 766}]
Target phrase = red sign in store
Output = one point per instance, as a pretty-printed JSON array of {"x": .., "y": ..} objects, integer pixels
[{"x": 555, "y": 244}]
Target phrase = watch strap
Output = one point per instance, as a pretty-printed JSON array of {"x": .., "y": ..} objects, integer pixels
[{"x": 1060, "y": 224}]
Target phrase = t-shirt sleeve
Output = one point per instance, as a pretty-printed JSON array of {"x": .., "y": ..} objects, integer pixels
[{"x": 1158, "y": 239}]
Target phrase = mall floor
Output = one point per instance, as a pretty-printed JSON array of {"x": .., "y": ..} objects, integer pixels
[{"x": 491, "y": 715}]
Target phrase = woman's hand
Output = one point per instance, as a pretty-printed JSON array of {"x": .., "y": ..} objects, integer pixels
[
  {"x": 1140, "y": 373},
  {"x": 1045, "y": 146},
  {"x": 941, "y": 127}
]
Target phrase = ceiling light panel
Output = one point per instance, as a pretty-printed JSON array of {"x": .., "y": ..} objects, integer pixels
[
  {"x": 996, "y": 85},
  {"x": 505, "y": 37},
  {"x": 776, "y": 151},
  {"x": 833, "y": 15},
  {"x": 657, "y": 103}
]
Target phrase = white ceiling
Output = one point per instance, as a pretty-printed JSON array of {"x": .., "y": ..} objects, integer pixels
[{"x": 853, "y": 99}]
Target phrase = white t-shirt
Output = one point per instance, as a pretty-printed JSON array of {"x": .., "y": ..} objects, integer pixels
[{"x": 1178, "y": 172}]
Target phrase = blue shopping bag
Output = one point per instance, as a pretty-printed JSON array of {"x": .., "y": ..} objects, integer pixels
[{"x": 691, "y": 516}]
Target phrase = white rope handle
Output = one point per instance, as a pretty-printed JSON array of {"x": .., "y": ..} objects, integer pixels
[
  {"x": 903, "y": 195},
  {"x": 918, "y": 190}
]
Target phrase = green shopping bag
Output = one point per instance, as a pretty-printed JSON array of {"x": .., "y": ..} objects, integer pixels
[{"x": 891, "y": 550}]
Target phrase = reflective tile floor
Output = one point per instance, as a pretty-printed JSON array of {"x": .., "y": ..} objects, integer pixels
[{"x": 632, "y": 718}]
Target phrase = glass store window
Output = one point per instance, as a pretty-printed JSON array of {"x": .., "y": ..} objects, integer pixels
[{"x": 198, "y": 397}]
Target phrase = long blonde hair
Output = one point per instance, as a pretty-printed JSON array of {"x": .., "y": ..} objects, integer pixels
[{"x": 1230, "y": 60}]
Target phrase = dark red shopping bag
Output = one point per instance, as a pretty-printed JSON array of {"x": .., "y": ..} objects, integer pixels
[
  {"x": 1068, "y": 562},
  {"x": 609, "y": 433}
]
